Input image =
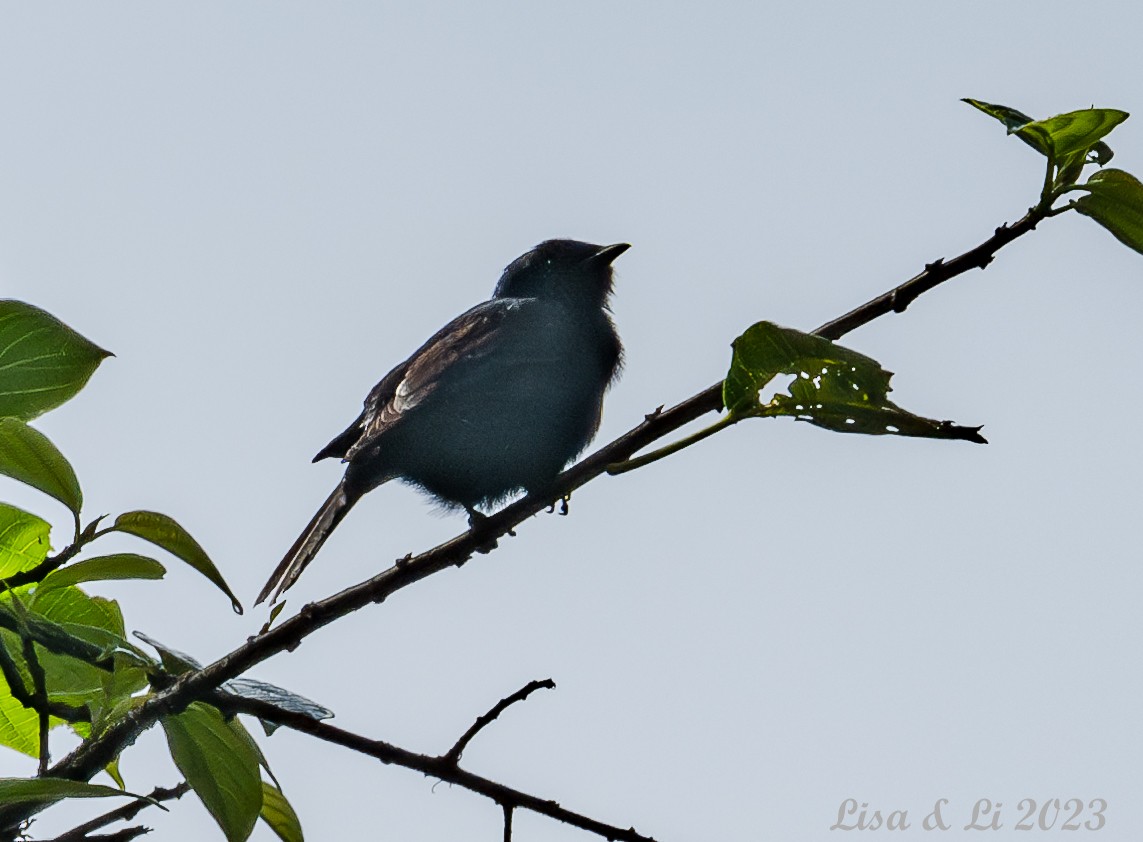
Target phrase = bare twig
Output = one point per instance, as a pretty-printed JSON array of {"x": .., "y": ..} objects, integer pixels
[
  {"x": 442, "y": 767},
  {"x": 935, "y": 273},
  {"x": 125, "y": 813},
  {"x": 487, "y": 719},
  {"x": 124, "y": 835},
  {"x": 508, "y": 810},
  {"x": 40, "y": 701}
]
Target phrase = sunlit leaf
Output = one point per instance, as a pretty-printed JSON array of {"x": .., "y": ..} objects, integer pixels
[
  {"x": 1065, "y": 138},
  {"x": 1115, "y": 200},
  {"x": 832, "y": 386},
  {"x": 19, "y": 726},
  {"x": 27, "y": 455},
  {"x": 23, "y": 540},
  {"x": 279, "y": 815},
  {"x": 43, "y": 362},
  {"x": 219, "y": 765},
  {"x": 1077, "y": 131},
  {"x": 165, "y": 532},
  {"x": 73, "y": 621},
  {"x": 1013, "y": 120}
]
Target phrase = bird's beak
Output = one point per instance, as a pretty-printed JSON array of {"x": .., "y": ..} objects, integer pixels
[{"x": 608, "y": 253}]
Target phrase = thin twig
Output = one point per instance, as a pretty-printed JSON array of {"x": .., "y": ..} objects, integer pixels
[
  {"x": 441, "y": 767},
  {"x": 20, "y": 692},
  {"x": 122, "y": 814},
  {"x": 37, "y": 573},
  {"x": 124, "y": 835},
  {"x": 898, "y": 299},
  {"x": 86, "y": 760},
  {"x": 40, "y": 701},
  {"x": 55, "y": 638},
  {"x": 508, "y": 810},
  {"x": 487, "y": 719}
]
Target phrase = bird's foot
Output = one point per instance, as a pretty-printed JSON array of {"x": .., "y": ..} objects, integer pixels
[
  {"x": 563, "y": 504},
  {"x": 478, "y": 522}
]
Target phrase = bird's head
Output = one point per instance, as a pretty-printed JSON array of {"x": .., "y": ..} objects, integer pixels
[{"x": 561, "y": 269}]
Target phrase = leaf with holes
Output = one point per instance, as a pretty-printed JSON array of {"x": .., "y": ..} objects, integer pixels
[{"x": 832, "y": 386}]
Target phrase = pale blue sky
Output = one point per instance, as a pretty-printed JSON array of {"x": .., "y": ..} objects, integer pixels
[{"x": 261, "y": 207}]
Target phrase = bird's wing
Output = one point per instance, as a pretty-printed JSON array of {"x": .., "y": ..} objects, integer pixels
[{"x": 467, "y": 337}]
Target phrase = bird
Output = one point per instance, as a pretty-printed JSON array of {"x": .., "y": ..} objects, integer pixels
[{"x": 496, "y": 402}]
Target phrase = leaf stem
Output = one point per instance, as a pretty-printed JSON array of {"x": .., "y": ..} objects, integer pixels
[{"x": 673, "y": 447}]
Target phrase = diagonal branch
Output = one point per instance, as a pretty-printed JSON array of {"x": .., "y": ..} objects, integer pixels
[
  {"x": 487, "y": 719},
  {"x": 122, "y": 814},
  {"x": 442, "y": 767},
  {"x": 94, "y": 754}
]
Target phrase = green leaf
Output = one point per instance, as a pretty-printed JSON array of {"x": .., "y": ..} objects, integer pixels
[
  {"x": 102, "y": 568},
  {"x": 833, "y": 387},
  {"x": 47, "y": 790},
  {"x": 43, "y": 362},
  {"x": 1010, "y": 117},
  {"x": 19, "y": 726},
  {"x": 27, "y": 455},
  {"x": 1076, "y": 131},
  {"x": 23, "y": 540},
  {"x": 174, "y": 661},
  {"x": 1062, "y": 136},
  {"x": 69, "y": 679},
  {"x": 1014, "y": 121},
  {"x": 219, "y": 765},
  {"x": 90, "y": 630},
  {"x": 277, "y": 812},
  {"x": 165, "y": 532},
  {"x": 112, "y": 770},
  {"x": 1115, "y": 200}
]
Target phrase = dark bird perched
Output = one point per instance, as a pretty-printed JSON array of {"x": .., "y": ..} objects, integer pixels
[{"x": 498, "y": 401}]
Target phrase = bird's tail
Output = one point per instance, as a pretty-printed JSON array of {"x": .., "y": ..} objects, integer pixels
[{"x": 309, "y": 542}]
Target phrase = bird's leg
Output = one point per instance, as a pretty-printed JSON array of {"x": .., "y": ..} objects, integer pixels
[
  {"x": 563, "y": 504},
  {"x": 477, "y": 521}
]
